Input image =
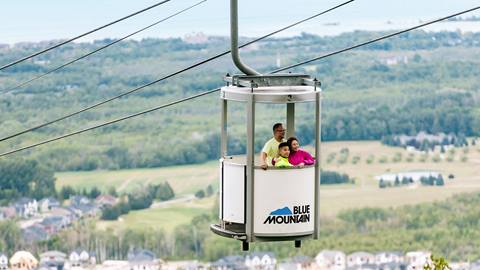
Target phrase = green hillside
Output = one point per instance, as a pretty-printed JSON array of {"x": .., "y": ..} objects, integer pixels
[{"x": 417, "y": 81}]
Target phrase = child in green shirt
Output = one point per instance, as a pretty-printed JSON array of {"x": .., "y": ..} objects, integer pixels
[{"x": 283, "y": 152}]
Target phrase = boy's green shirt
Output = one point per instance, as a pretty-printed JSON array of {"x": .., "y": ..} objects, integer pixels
[{"x": 283, "y": 163}]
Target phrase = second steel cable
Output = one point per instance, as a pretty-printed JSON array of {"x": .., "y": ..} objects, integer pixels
[{"x": 166, "y": 77}]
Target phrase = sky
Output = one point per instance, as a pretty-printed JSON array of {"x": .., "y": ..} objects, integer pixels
[{"x": 37, "y": 20}]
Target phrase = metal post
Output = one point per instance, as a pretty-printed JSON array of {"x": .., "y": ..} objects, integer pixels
[
  {"x": 234, "y": 40},
  {"x": 250, "y": 167},
  {"x": 318, "y": 133},
  {"x": 223, "y": 123},
  {"x": 290, "y": 120}
]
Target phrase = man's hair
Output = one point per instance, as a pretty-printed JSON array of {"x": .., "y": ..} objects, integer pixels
[
  {"x": 283, "y": 144},
  {"x": 276, "y": 126},
  {"x": 290, "y": 140}
]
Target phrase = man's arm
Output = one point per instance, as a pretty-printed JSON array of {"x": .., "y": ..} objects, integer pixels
[{"x": 263, "y": 160}]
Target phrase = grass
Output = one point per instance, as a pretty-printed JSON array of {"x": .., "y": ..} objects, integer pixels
[
  {"x": 166, "y": 218},
  {"x": 185, "y": 179},
  {"x": 334, "y": 198}
]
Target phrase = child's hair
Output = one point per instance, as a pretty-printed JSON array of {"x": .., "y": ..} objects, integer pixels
[{"x": 283, "y": 144}]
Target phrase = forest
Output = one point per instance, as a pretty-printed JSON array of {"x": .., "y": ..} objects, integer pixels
[{"x": 419, "y": 81}]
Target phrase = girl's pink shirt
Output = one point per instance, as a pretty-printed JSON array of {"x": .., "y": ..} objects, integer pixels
[{"x": 300, "y": 156}]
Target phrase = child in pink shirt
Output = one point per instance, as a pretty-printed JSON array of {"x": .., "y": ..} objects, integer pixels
[{"x": 298, "y": 157}]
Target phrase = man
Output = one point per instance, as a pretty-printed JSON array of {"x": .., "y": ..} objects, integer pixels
[{"x": 270, "y": 149}]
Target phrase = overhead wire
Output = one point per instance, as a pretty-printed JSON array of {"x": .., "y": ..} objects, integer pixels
[
  {"x": 166, "y": 77},
  {"x": 82, "y": 35},
  {"x": 215, "y": 90},
  {"x": 112, "y": 122},
  {"x": 98, "y": 49}
]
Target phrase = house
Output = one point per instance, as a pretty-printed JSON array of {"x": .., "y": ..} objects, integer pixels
[
  {"x": 82, "y": 206},
  {"x": 417, "y": 259},
  {"x": 288, "y": 266},
  {"x": 459, "y": 265},
  {"x": 299, "y": 262},
  {"x": 80, "y": 258},
  {"x": 105, "y": 200},
  {"x": 360, "y": 259},
  {"x": 68, "y": 215},
  {"x": 47, "y": 204},
  {"x": 8, "y": 212},
  {"x": 114, "y": 265},
  {"x": 185, "y": 265},
  {"x": 395, "y": 60},
  {"x": 475, "y": 265},
  {"x": 54, "y": 224},
  {"x": 388, "y": 257},
  {"x": 391, "y": 266},
  {"x": 23, "y": 260},
  {"x": 77, "y": 200},
  {"x": 26, "y": 207},
  {"x": 143, "y": 260},
  {"x": 3, "y": 261},
  {"x": 34, "y": 233},
  {"x": 233, "y": 262},
  {"x": 86, "y": 210},
  {"x": 261, "y": 260},
  {"x": 331, "y": 259},
  {"x": 53, "y": 260}
]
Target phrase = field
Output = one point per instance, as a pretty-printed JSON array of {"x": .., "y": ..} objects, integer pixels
[
  {"x": 184, "y": 179},
  {"x": 165, "y": 217},
  {"x": 362, "y": 161}
]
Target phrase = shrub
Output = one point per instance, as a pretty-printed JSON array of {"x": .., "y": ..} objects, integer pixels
[
  {"x": 397, "y": 157},
  {"x": 200, "y": 194}
]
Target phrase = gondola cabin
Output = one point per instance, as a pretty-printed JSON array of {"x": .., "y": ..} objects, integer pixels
[{"x": 276, "y": 204}]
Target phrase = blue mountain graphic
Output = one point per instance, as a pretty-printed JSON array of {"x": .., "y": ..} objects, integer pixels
[{"x": 282, "y": 212}]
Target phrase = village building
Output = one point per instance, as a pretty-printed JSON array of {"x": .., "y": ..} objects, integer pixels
[
  {"x": 35, "y": 232},
  {"x": 8, "y": 212},
  {"x": 80, "y": 258},
  {"x": 26, "y": 207},
  {"x": 233, "y": 262},
  {"x": 47, "y": 204},
  {"x": 360, "y": 258},
  {"x": 54, "y": 224},
  {"x": 114, "y": 265},
  {"x": 417, "y": 259},
  {"x": 331, "y": 259},
  {"x": 298, "y": 263},
  {"x": 143, "y": 260},
  {"x": 388, "y": 257},
  {"x": 3, "y": 261},
  {"x": 105, "y": 200},
  {"x": 23, "y": 260},
  {"x": 53, "y": 260},
  {"x": 261, "y": 260}
]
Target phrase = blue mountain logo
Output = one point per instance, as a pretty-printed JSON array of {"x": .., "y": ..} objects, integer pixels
[{"x": 282, "y": 212}]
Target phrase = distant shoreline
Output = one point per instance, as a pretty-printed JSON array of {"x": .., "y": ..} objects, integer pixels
[{"x": 331, "y": 28}]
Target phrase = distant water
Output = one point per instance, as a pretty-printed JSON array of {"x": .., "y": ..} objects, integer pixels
[{"x": 336, "y": 28}]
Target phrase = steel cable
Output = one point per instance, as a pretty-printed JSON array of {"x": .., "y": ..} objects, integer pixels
[
  {"x": 164, "y": 78},
  {"x": 211, "y": 91},
  {"x": 98, "y": 49},
  {"x": 81, "y": 35}
]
